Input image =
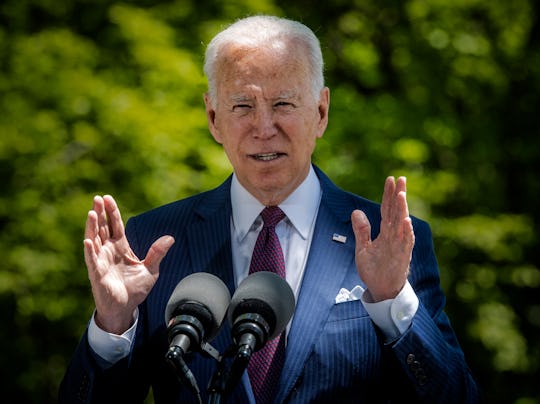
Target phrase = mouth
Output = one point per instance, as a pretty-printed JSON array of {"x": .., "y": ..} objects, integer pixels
[{"x": 266, "y": 156}]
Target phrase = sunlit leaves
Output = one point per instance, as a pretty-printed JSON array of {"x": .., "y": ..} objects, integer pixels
[
  {"x": 496, "y": 327},
  {"x": 106, "y": 97},
  {"x": 500, "y": 238}
]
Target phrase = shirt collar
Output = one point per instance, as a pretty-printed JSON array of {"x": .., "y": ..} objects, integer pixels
[{"x": 300, "y": 207}]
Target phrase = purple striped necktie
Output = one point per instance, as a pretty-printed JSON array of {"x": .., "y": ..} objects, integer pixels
[{"x": 265, "y": 365}]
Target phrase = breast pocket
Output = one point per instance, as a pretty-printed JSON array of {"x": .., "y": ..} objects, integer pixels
[
  {"x": 347, "y": 310},
  {"x": 346, "y": 355}
]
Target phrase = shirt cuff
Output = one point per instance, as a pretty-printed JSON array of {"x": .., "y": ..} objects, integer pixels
[
  {"x": 111, "y": 347},
  {"x": 393, "y": 316}
]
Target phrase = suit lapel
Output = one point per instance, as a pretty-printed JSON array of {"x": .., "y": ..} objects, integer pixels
[
  {"x": 328, "y": 263},
  {"x": 209, "y": 236},
  {"x": 209, "y": 243}
]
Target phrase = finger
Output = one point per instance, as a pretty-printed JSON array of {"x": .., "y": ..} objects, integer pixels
[
  {"x": 399, "y": 209},
  {"x": 387, "y": 198},
  {"x": 157, "y": 252},
  {"x": 102, "y": 222},
  {"x": 408, "y": 233},
  {"x": 402, "y": 209},
  {"x": 402, "y": 205},
  {"x": 361, "y": 228},
  {"x": 115, "y": 224},
  {"x": 399, "y": 191},
  {"x": 401, "y": 185},
  {"x": 91, "y": 228},
  {"x": 90, "y": 257}
]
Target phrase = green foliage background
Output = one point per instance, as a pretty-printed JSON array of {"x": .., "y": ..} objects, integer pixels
[{"x": 100, "y": 96}]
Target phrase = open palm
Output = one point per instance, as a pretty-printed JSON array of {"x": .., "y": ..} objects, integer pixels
[
  {"x": 120, "y": 281},
  {"x": 383, "y": 263}
]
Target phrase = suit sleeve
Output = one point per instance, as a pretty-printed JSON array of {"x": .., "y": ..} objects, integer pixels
[
  {"x": 428, "y": 352},
  {"x": 89, "y": 379}
]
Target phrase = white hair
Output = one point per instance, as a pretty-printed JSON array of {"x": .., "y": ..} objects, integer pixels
[{"x": 260, "y": 31}]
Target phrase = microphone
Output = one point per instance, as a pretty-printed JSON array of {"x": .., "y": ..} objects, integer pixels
[
  {"x": 260, "y": 309},
  {"x": 194, "y": 315}
]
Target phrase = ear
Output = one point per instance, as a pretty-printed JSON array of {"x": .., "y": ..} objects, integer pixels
[
  {"x": 211, "y": 117},
  {"x": 324, "y": 105}
]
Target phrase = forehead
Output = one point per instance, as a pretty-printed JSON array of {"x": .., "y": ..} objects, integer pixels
[{"x": 282, "y": 67}]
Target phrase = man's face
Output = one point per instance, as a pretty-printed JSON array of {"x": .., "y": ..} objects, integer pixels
[{"x": 267, "y": 119}]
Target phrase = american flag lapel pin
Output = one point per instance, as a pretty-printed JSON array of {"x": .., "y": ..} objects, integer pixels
[{"x": 339, "y": 238}]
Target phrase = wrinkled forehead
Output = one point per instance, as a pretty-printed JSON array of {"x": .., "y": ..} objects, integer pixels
[{"x": 237, "y": 61}]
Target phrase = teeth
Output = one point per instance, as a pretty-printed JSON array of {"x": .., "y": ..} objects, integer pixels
[{"x": 266, "y": 156}]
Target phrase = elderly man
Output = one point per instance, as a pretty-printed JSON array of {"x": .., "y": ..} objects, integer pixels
[{"x": 369, "y": 324}]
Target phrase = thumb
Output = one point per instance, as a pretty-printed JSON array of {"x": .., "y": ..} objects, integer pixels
[
  {"x": 157, "y": 252},
  {"x": 361, "y": 228}
]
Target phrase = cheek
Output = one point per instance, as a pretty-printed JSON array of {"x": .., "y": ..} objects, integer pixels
[
  {"x": 310, "y": 133},
  {"x": 216, "y": 134},
  {"x": 227, "y": 131},
  {"x": 231, "y": 142}
]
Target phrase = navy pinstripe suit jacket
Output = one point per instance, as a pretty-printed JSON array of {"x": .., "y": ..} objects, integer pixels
[{"x": 334, "y": 351}]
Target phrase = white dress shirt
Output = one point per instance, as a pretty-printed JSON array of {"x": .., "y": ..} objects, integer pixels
[{"x": 295, "y": 233}]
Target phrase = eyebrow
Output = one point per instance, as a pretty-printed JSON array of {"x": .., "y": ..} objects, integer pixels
[
  {"x": 239, "y": 98},
  {"x": 244, "y": 98}
]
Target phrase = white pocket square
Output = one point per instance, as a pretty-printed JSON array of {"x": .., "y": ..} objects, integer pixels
[{"x": 345, "y": 295}]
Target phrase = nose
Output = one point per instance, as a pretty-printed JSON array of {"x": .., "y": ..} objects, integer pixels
[{"x": 265, "y": 123}]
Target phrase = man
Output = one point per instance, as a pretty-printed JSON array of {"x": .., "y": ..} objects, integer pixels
[{"x": 267, "y": 105}]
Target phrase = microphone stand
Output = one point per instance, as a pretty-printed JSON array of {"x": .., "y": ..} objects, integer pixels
[
  {"x": 250, "y": 332},
  {"x": 175, "y": 359},
  {"x": 216, "y": 385},
  {"x": 223, "y": 382}
]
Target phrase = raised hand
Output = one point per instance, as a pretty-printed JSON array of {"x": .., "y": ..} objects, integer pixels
[
  {"x": 383, "y": 263},
  {"x": 120, "y": 281}
]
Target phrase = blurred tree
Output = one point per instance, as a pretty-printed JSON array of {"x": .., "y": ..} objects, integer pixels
[
  {"x": 110, "y": 104},
  {"x": 106, "y": 97},
  {"x": 447, "y": 93}
]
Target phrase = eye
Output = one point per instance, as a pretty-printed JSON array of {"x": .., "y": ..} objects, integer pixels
[
  {"x": 283, "y": 104},
  {"x": 241, "y": 107}
]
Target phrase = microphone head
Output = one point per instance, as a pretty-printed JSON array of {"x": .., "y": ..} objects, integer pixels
[
  {"x": 196, "y": 290},
  {"x": 266, "y": 294}
]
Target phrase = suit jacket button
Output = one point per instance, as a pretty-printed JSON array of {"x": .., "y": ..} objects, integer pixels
[
  {"x": 83, "y": 388},
  {"x": 422, "y": 379},
  {"x": 410, "y": 358}
]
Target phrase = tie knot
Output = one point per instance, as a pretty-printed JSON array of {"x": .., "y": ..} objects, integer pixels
[{"x": 272, "y": 215}]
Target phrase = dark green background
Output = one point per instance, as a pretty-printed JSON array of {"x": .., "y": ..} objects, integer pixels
[{"x": 106, "y": 97}]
